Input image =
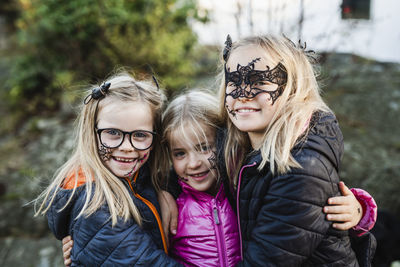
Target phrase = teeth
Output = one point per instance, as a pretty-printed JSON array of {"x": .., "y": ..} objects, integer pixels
[
  {"x": 245, "y": 110},
  {"x": 198, "y": 175},
  {"x": 124, "y": 159}
]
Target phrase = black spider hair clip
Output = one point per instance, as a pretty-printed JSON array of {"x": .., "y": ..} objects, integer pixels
[
  {"x": 228, "y": 47},
  {"x": 97, "y": 93}
]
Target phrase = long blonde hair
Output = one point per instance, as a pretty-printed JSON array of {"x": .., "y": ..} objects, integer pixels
[
  {"x": 299, "y": 100},
  {"x": 103, "y": 186},
  {"x": 188, "y": 112}
]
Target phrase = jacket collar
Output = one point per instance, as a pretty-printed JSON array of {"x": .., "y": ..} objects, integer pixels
[{"x": 202, "y": 196}]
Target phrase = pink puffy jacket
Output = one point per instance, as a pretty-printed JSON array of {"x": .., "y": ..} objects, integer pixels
[{"x": 207, "y": 233}]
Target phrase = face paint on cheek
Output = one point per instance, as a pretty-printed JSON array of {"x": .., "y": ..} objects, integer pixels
[
  {"x": 134, "y": 169},
  {"x": 231, "y": 111},
  {"x": 105, "y": 153},
  {"x": 144, "y": 157},
  {"x": 213, "y": 161},
  {"x": 130, "y": 174}
]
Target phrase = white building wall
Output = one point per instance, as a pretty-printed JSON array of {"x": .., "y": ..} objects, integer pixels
[{"x": 323, "y": 29}]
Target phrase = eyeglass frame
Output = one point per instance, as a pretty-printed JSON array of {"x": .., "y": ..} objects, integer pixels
[{"x": 98, "y": 131}]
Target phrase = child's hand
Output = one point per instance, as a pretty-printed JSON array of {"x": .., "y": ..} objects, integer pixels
[
  {"x": 67, "y": 246},
  {"x": 169, "y": 213},
  {"x": 345, "y": 210}
]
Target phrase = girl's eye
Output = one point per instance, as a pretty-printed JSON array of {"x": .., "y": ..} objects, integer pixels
[
  {"x": 112, "y": 132},
  {"x": 178, "y": 154},
  {"x": 139, "y": 135},
  {"x": 205, "y": 148},
  {"x": 265, "y": 85},
  {"x": 230, "y": 87},
  {"x": 261, "y": 83}
]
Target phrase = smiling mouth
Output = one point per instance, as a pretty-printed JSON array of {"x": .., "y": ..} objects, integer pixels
[
  {"x": 246, "y": 110},
  {"x": 198, "y": 175},
  {"x": 124, "y": 160}
]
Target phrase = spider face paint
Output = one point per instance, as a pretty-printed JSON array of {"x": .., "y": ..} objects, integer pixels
[
  {"x": 246, "y": 82},
  {"x": 105, "y": 153},
  {"x": 213, "y": 160}
]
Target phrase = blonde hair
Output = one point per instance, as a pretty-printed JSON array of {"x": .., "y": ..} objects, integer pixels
[
  {"x": 299, "y": 100},
  {"x": 188, "y": 112},
  {"x": 102, "y": 186}
]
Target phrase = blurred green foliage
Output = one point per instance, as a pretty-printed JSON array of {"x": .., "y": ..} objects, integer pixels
[{"x": 58, "y": 44}]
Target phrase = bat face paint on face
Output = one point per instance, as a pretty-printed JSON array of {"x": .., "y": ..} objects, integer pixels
[{"x": 247, "y": 83}]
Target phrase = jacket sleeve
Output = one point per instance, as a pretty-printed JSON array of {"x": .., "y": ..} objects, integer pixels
[
  {"x": 97, "y": 243},
  {"x": 290, "y": 224},
  {"x": 370, "y": 210},
  {"x": 60, "y": 212}
]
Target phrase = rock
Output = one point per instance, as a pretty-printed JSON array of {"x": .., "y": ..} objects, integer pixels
[
  {"x": 43, "y": 252},
  {"x": 365, "y": 96}
]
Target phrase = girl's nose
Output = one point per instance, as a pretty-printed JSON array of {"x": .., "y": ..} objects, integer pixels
[
  {"x": 126, "y": 144},
  {"x": 245, "y": 92},
  {"x": 243, "y": 99},
  {"x": 194, "y": 161}
]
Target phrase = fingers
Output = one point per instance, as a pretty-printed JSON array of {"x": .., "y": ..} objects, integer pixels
[
  {"x": 66, "y": 239},
  {"x": 340, "y": 218},
  {"x": 67, "y": 247},
  {"x": 342, "y": 226},
  {"x": 337, "y": 209},
  {"x": 67, "y": 262},
  {"x": 343, "y": 209},
  {"x": 339, "y": 200},
  {"x": 344, "y": 189}
]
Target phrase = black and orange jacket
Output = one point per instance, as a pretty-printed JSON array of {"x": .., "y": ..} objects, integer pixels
[{"x": 97, "y": 242}]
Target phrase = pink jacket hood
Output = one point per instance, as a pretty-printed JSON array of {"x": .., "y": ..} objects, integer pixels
[{"x": 207, "y": 233}]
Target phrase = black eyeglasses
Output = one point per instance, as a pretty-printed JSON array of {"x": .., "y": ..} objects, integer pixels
[{"x": 113, "y": 138}]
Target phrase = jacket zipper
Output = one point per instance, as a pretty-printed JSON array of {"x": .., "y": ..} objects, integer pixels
[
  {"x": 153, "y": 210},
  {"x": 220, "y": 239},
  {"x": 237, "y": 206}
]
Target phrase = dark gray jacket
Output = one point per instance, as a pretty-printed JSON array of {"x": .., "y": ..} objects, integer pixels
[{"x": 281, "y": 218}]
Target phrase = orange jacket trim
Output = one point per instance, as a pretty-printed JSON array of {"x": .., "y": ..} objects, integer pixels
[
  {"x": 69, "y": 182},
  {"x": 153, "y": 210}
]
